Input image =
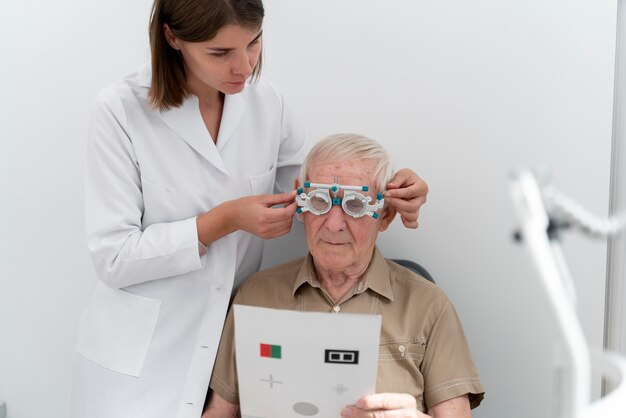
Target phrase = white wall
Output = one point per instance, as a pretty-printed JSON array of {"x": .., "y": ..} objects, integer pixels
[
  {"x": 56, "y": 55},
  {"x": 615, "y": 337},
  {"x": 462, "y": 92}
]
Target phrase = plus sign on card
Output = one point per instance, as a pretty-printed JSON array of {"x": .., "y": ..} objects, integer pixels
[{"x": 303, "y": 364}]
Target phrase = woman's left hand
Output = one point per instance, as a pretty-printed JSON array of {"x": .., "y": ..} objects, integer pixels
[{"x": 407, "y": 193}]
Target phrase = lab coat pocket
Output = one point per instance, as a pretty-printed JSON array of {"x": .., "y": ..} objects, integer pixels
[
  {"x": 116, "y": 329},
  {"x": 264, "y": 183}
]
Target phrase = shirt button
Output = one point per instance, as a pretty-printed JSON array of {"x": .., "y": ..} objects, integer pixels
[
  {"x": 336, "y": 308},
  {"x": 402, "y": 349}
]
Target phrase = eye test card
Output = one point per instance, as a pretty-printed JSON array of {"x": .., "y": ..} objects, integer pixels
[{"x": 302, "y": 364}]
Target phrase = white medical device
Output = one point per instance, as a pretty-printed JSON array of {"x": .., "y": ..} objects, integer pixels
[
  {"x": 318, "y": 201},
  {"x": 543, "y": 212}
]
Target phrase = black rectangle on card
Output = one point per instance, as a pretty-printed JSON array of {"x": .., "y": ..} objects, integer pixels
[{"x": 341, "y": 356}]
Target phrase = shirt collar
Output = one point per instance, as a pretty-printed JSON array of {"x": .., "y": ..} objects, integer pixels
[{"x": 376, "y": 276}]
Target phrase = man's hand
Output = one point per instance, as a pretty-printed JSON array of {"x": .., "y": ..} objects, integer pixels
[
  {"x": 407, "y": 193},
  {"x": 383, "y": 405},
  {"x": 217, "y": 407}
]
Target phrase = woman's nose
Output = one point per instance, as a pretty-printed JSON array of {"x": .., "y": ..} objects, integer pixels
[{"x": 242, "y": 65}]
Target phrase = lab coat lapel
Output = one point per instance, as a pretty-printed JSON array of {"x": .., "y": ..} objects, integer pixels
[
  {"x": 186, "y": 121},
  {"x": 234, "y": 108}
]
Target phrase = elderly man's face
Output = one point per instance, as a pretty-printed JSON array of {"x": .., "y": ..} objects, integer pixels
[{"x": 337, "y": 241}]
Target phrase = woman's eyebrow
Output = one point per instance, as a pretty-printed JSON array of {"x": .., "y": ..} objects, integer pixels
[
  {"x": 218, "y": 49},
  {"x": 257, "y": 36}
]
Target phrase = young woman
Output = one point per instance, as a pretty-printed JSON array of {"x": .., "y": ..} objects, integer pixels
[{"x": 182, "y": 160}]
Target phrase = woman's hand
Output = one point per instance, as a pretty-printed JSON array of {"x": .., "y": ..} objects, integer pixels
[
  {"x": 381, "y": 405},
  {"x": 256, "y": 215},
  {"x": 407, "y": 193},
  {"x": 253, "y": 214}
]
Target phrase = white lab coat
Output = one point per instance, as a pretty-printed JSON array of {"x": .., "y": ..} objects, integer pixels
[{"x": 148, "y": 338}]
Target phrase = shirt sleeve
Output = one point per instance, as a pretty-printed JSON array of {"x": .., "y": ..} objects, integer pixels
[
  {"x": 447, "y": 367},
  {"x": 123, "y": 252},
  {"x": 224, "y": 380}
]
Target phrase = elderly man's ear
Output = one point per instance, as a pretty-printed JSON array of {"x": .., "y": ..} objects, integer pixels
[{"x": 386, "y": 216}]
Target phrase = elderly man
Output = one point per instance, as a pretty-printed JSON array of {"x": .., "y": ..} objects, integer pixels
[{"x": 424, "y": 362}]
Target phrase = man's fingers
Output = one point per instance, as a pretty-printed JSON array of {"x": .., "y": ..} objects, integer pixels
[
  {"x": 352, "y": 412},
  {"x": 386, "y": 401},
  {"x": 383, "y": 405}
]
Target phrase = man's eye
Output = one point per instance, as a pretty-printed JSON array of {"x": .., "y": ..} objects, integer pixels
[
  {"x": 218, "y": 54},
  {"x": 354, "y": 205}
]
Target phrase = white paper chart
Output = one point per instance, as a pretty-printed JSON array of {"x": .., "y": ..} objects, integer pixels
[{"x": 303, "y": 364}]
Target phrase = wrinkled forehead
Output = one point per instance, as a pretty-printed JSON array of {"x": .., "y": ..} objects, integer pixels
[{"x": 349, "y": 173}]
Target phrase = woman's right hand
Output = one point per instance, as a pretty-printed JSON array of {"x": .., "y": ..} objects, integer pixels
[{"x": 254, "y": 214}]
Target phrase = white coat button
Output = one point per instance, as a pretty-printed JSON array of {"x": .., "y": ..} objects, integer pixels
[
  {"x": 402, "y": 350},
  {"x": 336, "y": 308}
]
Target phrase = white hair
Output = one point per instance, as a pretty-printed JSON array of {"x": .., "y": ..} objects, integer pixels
[{"x": 347, "y": 146}]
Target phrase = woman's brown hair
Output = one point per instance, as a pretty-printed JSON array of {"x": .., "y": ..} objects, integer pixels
[{"x": 191, "y": 21}]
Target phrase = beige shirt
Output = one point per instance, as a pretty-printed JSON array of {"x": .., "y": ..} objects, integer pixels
[{"x": 422, "y": 351}]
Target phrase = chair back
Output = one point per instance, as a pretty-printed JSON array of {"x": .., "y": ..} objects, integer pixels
[{"x": 415, "y": 268}]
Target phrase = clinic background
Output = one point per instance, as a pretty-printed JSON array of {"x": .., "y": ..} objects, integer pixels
[{"x": 462, "y": 92}]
